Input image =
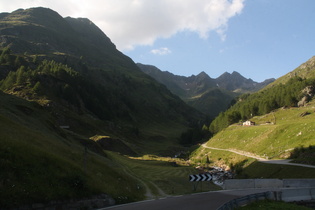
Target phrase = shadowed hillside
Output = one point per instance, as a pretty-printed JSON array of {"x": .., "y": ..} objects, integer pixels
[
  {"x": 64, "y": 84},
  {"x": 87, "y": 71}
]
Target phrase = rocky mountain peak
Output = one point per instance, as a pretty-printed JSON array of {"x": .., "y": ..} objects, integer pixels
[
  {"x": 203, "y": 74},
  {"x": 43, "y": 31},
  {"x": 309, "y": 64},
  {"x": 39, "y": 16},
  {"x": 235, "y": 74}
]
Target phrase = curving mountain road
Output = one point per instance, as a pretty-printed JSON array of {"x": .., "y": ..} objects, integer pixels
[
  {"x": 200, "y": 201},
  {"x": 247, "y": 154},
  {"x": 260, "y": 159},
  {"x": 286, "y": 162}
]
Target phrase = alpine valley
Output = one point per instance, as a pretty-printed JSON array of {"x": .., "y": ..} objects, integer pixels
[
  {"x": 82, "y": 126},
  {"x": 210, "y": 96}
]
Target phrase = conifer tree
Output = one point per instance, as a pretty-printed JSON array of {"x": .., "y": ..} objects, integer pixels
[
  {"x": 38, "y": 87},
  {"x": 20, "y": 75}
]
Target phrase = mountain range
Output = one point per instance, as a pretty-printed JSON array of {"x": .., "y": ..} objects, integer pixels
[
  {"x": 208, "y": 95},
  {"x": 73, "y": 109},
  {"x": 66, "y": 89},
  {"x": 107, "y": 83}
]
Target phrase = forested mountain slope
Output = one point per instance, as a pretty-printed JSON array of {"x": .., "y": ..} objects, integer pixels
[
  {"x": 73, "y": 60},
  {"x": 291, "y": 90},
  {"x": 67, "y": 96}
]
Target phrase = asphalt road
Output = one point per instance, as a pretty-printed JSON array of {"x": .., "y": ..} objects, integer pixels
[
  {"x": 208, "y": 201},
  {"x": 287, "y": 162},
  {"x": 260, "y": 159}
]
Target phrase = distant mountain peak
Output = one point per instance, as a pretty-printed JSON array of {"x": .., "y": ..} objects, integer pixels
[
  {"x": 202, "y": 74},
  {"x": 225, "y": 74},
  {"x": 230, "y": 75},
  {"x": 235, "y": 73}
]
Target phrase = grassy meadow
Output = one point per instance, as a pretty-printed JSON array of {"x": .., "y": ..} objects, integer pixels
[
  {"x": 274, "y": 134},
  {"x": 40, "y": 162},
  {"x": 284, "y": 133},
  {"x": 163, "y": 176}
]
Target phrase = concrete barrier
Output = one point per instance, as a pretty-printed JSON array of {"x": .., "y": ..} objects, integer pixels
[
  {"x": 232, "y": 184},
  {"x": 298, "y": 194},
  {"x": 299, "y": 183},
  {"x": 268, "y": 183}
]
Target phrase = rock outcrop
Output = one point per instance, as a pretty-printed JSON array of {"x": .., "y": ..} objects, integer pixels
[{"x": 308, "y": 94}]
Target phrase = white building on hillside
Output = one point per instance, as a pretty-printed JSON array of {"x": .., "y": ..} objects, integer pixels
[{"x": 248, "y": 123}]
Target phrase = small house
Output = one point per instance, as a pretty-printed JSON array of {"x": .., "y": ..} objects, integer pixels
[{"x": 248, "y": 123}]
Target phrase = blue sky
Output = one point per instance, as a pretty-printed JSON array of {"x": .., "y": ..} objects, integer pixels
[
  {"x": 267, "y": 40},
  {"x": 260, "y": 39}
]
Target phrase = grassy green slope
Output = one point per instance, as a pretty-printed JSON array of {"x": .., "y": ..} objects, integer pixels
[
  {"x": 163, "y": 176},
  {"x": 107, "y": 84},
  {"x": 276, "y": 135},
  {"x": 286, "y": 132},
  {"x": 40, "y": 163},
  {"x": 103, "y": 93},
  {"x": 273, "y": 134},
  {"x": 264, "y": 170}
]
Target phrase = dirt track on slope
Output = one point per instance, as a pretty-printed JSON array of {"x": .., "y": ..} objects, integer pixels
[{"x": 148, "y": 194}]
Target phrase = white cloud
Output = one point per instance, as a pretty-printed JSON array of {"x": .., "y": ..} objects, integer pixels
[
  {"x": 140, "y": 22},
  {"x": 161, "y": 51}
]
